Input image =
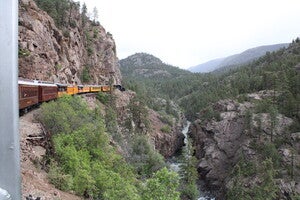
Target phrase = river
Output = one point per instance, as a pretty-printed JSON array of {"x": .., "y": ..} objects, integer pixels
[{"x": 176, "y": 161}]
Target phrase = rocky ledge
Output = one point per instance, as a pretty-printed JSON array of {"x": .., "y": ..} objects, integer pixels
[{"x": 238, "y": 134}]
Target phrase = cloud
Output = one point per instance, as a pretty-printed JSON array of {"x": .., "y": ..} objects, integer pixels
[{"x": 190, "y": 32}]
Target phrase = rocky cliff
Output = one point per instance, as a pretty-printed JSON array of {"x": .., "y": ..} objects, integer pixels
[
  {"x": 80, "y": 52},
  {"x": 234, "y": 149},
  {"x": 167, "y": 143}
]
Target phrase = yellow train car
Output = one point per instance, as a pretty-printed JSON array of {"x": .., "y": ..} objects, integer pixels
[
  {"x": 86, "y": 89},
  {"x": 105, "y": 88},
  {"x": 83, "y": 89},
  {"x": 72, "y": 89},
  {"x": 95, "y": 88},
  {"x": 61, "y": 89}
]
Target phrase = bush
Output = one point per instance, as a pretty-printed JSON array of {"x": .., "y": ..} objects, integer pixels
[
  {"x": 103, "y": 97},
  {"x": 144, "y": 158},
  {"x": 86, "y": 75},
  {"x": 267, "y": 189},
  {"x": 58, "y": 178},
  {"x": 24, "y": 53},
  {"x": 165, "y": 118},
  {"x": 166, "y": 129},
  {"x": 162, "y": 185},
  {"x": 90, "y": 51},
  {"x": 82, "y": 150}
]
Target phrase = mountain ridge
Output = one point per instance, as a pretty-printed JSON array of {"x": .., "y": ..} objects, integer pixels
[
  {"x": 237, "y": 59},
  {"x": 145, "y": 65}
]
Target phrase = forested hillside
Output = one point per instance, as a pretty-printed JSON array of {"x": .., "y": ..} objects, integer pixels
[
  {"x": 274, "y": 71},
  {"x": 247, "y": 123}
]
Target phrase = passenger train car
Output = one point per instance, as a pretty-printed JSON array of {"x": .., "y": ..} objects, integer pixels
[{"x": 32, "y": 93}]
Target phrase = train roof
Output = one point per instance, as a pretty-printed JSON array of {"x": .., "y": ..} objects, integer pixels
[{"x": 36, "y": 83}]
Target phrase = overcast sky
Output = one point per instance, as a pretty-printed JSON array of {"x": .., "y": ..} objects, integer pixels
[{"x": 186, "y": 33}]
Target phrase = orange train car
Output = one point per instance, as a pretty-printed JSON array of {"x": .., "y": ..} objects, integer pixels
[
  {"x": 95, "y": 88},
  {"x": 61, "y": 89},
  {"x": 72, "y": 89},
  {"x": 105, "y": 88},
  {"x": 83, "y": 89}
]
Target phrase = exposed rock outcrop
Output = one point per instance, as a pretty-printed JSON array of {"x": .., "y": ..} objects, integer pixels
[
  {"x": 51, "y": 54},
  {"x": 167, "y": 143},
  {"x": 220, "y": 145}
]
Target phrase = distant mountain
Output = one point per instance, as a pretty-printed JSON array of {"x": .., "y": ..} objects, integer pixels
[
  {"x": 143, "y": 65},
  {"x": 237, "y": 59}
]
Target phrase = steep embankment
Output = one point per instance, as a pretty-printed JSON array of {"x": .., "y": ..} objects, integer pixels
[
  {"x": 167, "y": 142},
  {"x": 244, "y": 152},
  {"x": 80, "y": 50},
  {"x": 35, "y": 181}
]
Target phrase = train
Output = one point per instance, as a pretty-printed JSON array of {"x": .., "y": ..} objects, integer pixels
[{"x": 33, "y": 92}]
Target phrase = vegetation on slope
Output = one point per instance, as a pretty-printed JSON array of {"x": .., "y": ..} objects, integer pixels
[
  {"x": 194, "y": 92},
  {"x": 83, "y": 159},
  {"x": 278, "y": 74}
]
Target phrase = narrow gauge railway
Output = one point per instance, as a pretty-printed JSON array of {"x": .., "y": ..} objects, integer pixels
[{"x": 33, "y": 93}]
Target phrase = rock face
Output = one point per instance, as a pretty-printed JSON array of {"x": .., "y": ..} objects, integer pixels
[
  {"x": 166, "y": 143},
  {"x": 219, "y": 145},
  {"x": 51, "y": 54}
]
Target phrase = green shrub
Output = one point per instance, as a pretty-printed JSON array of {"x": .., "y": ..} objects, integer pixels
[
  {"x": 166, "y": 129},
  {"x": 82, "y": 150},
  {"x": 86, "y": 75},
  {"x": 66, "y": 33},
  {"x": 165, "y": 118},
  {"x": 58, "y": 67},
  {"x": 96, "y": 33},
  {"x": 103, "y": 97},
  {"x": 24, "y": 53},
  {"x": 267, "y": 189},
  {"x": 144, "y": 158},
  {"x": 58, "y": 178},
  {"x": 73, "y": 24},
  {"x": 90, "y": 51},
  {"x": 163, "y": 185}
]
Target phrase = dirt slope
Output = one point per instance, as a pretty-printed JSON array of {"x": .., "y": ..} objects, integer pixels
[{"x": 34, "y": 178}]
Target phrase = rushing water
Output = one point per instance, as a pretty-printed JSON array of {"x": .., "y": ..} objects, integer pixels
[{"x": 176, "y": 162}]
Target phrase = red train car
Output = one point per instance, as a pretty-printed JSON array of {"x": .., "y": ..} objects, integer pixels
[
  {"x": 28, "y": 94},
  {"x": 47, "y": 92}
]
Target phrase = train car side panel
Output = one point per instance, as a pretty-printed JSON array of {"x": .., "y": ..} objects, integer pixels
[
  {"x": 62, "y": 89},
  {"x": 28, "y": 96},
  {"x": 47, "y": 93},
  {"x": 75, "y": 89},
  {"x": 105, "y": 88},
  {"x": 86, "y": 89},
  {"x": 70, "y": 90},
  {"x": 95, "y": 88}
]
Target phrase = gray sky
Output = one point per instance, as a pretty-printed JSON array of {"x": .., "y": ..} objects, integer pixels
[{"x": 186, "y": 33}]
